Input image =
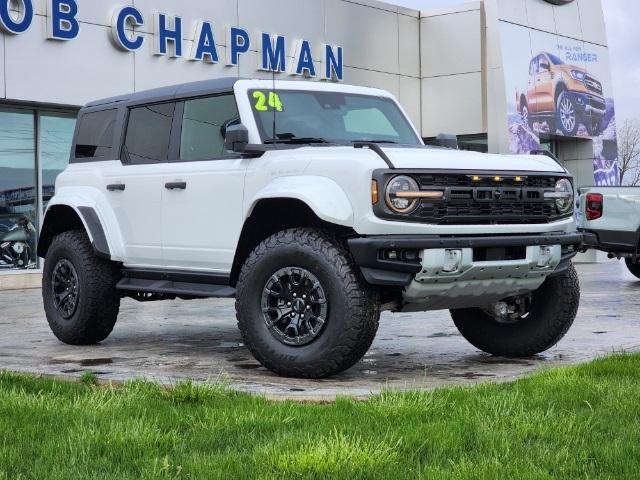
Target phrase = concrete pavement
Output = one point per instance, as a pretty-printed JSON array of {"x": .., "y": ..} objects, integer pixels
[{"x": 170, "y": 341}]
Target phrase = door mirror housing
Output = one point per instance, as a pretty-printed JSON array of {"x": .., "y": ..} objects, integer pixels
[{"x": 236, "y": 138}]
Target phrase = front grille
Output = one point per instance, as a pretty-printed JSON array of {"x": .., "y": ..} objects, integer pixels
[
  {"x": 593, "y": 85},
  {"x": 456, "y": 212},
  {"x": 483, "y": 201}
]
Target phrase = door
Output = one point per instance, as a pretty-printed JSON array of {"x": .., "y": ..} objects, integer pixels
[
  {"x": 134, "y": 186},
  {"x": 544, "y": 86},
  {"x": 203, "y": 189}
]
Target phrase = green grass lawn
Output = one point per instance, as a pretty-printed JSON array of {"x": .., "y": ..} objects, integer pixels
[{"x": 580, "y": 422}]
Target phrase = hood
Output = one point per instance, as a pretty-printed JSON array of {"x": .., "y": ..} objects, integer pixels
[{"x": 443, "y": 159}]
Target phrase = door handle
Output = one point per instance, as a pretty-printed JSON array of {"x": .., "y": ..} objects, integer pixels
[
  {"x": 176, "y": 186},
  {"x": 116, "y": 187}
]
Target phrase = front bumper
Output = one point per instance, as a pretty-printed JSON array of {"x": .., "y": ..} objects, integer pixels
[
  {"x": 378, "y": 269},
  {"x": 590, "y": 105}
]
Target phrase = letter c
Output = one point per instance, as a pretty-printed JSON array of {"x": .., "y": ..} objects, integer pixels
[{"x": 121, "y": 19}]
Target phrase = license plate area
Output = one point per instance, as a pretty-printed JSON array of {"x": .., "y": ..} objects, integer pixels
[{"x": 497, "y": 254}]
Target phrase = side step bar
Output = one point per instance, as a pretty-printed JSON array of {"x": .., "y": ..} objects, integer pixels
[{"x": 179, "y": 284}]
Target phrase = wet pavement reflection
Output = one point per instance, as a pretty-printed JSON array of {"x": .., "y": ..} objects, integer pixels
[{"x": 170, "y": 341}]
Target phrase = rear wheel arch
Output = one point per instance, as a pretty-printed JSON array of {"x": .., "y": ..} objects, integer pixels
[
  {"x": 57, "y": 220},
  {"x": 64, "y": 218},
  {"x": 273, "y": 215}
]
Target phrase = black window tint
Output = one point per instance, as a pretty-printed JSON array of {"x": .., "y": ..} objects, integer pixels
[
  {"x": 203, "y": 127},
  {"x": 95, "y": 135},
  {"x": 148, "y": 134}
]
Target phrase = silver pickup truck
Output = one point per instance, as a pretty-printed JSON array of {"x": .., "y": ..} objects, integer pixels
[{"x": 610, "y": 220}]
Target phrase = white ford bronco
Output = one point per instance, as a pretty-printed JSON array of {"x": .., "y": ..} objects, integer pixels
[{"x": 316, "y": 206}]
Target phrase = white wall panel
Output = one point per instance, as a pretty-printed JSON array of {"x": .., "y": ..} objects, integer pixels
[
  {"x": 409, "y": 48},
  {"x": 540, "y": 15},
  {"x": 410, "y": 98},
  {"x": 451, "y": 44},
  {"x": 369, "y": 36},
  {"x": 366, "y": 78},
  {"x": 221, "y": 13},
  {"x": 568, "y": 20},
  {"x": 592, "y": 18},
  {"x": 249, "y": 64},
  {"x": 452, "y": 104},
  {"x": 514, "y": 11},
  {"x": 158, "y": 71},
  {"x": 300, "y": 19},
  {"x": 96, "y": 12},
  {"x": 69, "y": 73}
]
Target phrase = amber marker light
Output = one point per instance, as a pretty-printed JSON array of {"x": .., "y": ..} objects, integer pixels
[
  {"x": 475, "y": 178},
  {"x": 374, "y": 192},
  {"x": 497, "y": 179},
  {"x": 519, "y": 179}
]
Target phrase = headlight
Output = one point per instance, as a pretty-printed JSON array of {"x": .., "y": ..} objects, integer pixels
[
  {"x": 394, "y": 194},
  {"x": 564, "y": 195},
  {"x": 578, "y": 75}
]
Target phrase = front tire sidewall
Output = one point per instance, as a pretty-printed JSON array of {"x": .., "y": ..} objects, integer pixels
[
  {"x": 349, "y": 328},
  {"x": 567, "y": 130}
]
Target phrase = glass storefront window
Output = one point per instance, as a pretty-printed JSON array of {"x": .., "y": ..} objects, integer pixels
[
  {"x": 24, "y": 132},
  {"x": 18, "y": 199},
  {"x": 56, "y": 135}
]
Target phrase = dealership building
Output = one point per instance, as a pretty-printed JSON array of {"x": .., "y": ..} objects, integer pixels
[{"x": 487, "y": 71}]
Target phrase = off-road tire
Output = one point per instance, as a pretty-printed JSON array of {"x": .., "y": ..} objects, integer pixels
[
  {"x": 353, "y": 306},
  {"x": 565, "y": 98},
  {"x": 527, "y": 119},
  {"x": 553, "y": 310},
  {"x": 98, "y": 300},
  {"x": 634, "y": 267}
]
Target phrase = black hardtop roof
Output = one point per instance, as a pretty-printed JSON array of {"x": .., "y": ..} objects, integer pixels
[{"x": 183, "y": 90}]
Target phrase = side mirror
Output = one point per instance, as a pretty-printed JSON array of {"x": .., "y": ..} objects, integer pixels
[
  {"x": 447, "y": 140},
  {"x": 236, "y": 138}
]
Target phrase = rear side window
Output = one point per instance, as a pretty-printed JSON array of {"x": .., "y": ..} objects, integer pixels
[
  {"x": 95, "y": 135},
  {"x": 203, "y": 127},
  {"x": 149, "y": 134}
]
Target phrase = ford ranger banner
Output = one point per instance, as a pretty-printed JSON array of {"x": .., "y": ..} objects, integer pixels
[{"x": 557, "y": 86}]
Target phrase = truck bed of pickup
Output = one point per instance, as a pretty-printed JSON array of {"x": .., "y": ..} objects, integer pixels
[{"x": 610, "y": 220}]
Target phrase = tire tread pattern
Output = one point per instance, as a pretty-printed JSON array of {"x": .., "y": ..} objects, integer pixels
[
  {"x": 362, "y": 304},
  {"x": 99, "y": 301}
]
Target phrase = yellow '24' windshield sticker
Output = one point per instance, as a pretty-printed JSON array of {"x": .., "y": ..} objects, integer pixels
[{"x": 264, "y": 101}]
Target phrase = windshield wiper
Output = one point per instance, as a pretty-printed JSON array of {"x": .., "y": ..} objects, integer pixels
[
  {"x": 373, "y": 141},
  {"x": 290, "y": 138}
]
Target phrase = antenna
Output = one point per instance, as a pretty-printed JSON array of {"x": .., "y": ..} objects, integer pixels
[{"x": 273, "y": 75}]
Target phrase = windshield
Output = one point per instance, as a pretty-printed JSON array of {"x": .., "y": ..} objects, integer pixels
[
  {"x": 318, "y": 117},
  {"x": 555, "y": 60}
]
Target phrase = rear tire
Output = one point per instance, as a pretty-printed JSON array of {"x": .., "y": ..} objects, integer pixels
[
  {"x": 634, "y": 267},
  {"x": 79, "y": 290},
  {"x": 527, "y": 119},
  {"x": 280, "y": 271},
  {"x": 552, "y": 312}
]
